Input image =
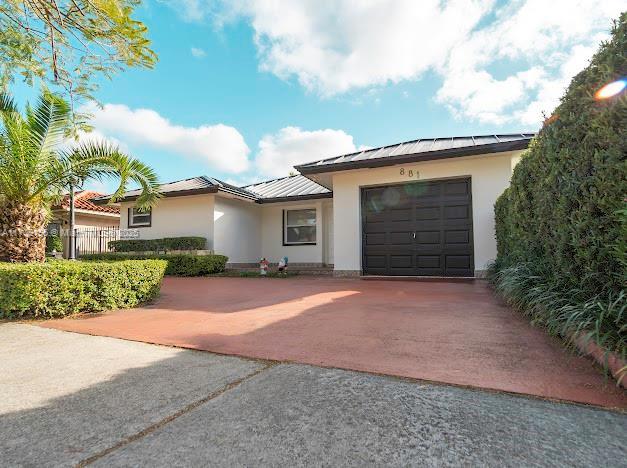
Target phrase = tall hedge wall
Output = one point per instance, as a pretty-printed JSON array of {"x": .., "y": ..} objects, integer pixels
[
  {"x": 561, "y": 226},
  {"x": 562, "y": 210}
]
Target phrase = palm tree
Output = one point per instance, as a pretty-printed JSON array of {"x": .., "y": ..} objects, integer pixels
[{"x": 37, "y": 165}]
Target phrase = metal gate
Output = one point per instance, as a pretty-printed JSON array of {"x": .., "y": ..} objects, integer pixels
[{"x": 93, "y": 240}]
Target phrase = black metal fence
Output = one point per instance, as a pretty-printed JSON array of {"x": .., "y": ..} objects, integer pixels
[{"x": 95, "y": 239}]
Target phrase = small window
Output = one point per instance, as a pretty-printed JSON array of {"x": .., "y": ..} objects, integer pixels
[
  {"x": 299, "y": 227},
  {"x": 138, "y": 218}
]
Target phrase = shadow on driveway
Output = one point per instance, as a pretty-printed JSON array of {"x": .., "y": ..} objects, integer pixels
[
  {"x": 73, "y": 398},
  {"x": 448, "y": 332}
]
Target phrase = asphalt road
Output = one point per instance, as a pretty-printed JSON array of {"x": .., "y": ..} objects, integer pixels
[{"x": 70, "y": 399}]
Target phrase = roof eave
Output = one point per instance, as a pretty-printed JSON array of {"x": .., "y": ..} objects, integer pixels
[
  {"x": 236, "y": 193},
  {"x": 178, "y": 193},
  {"x": 501, "y": 147},
  {"x": 315, "y": 196}
]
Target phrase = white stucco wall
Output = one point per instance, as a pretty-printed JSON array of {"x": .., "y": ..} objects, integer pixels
[
  {"x": 237, "y": 230},
  {"x": 327, "y": 228},
  {"x": 176, "y": 217},
  {"x": 272, "y": 234},
  {"x": 490, "y": 175}
]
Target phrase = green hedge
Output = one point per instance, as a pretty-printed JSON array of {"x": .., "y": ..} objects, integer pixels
[
  {"x": 560, "y": 226},
  {"x": 178, "y": 265},
  {"x": 59, "y": 288},
  {"x": 153, "y": 245}
]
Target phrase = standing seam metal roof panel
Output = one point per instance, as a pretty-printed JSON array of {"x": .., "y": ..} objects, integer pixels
[
  {"x": 415, "y": 147},
  {"x": 292, "y": 186}
]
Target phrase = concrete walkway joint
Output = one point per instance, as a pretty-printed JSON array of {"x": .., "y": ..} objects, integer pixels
[{"x": 169, "y": 419}]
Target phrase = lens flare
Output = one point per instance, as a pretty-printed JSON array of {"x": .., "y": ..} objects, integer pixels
[{"x": 611, "y": 89}]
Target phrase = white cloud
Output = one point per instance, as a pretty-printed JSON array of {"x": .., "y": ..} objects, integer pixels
[
  {"x": 98, "y": 137},
  {"x": 333, "y": 47},
  {"x": 198, "y": 53},
  {"x": 290, "y": 146},
  {"x": 220, "y": 146},
  {"x": 341, "y": 46},
  {"x": 547, "y": 43},
  {"x": 189, "y": 10}
]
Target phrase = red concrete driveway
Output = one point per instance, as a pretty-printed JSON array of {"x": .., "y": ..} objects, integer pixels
[{"x": 449, "y": 332}]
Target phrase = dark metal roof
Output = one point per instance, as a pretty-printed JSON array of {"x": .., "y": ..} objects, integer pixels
[
  {"x": 192, "y": 186},
  {"x": 232, "y": 189},
  {"x": 288, "y": 188},
  {"x": 299, "y": 187},
  {"x": 420, "y": 150}
]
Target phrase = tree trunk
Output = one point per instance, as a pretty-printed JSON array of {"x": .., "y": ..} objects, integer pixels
[{"x": 22, "y": 233}]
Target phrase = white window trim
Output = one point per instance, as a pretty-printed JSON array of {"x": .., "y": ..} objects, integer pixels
[
  {"x": 131, "y": 218},
  {"x": 285, "y": 226}
]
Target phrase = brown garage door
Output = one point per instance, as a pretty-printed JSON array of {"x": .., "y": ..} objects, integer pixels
[{"x": 418, "y": 229}]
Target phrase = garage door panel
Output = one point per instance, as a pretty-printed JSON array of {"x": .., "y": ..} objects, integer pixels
[
  {"x": 374, "y": 217},
  {"x": 403, "y": 214},
  {"x": 425, "y": 189},
  {"x": 428, "y": 213},
  {"x": 456, "y": 187},
  {"x": 376, "y": 261},
  {"x": 421, "y": 228},
  {"x": 457, "y": 237},
  {"x": 401, "y": 238},
  {"x": 456, "y": 212},
  {"x": 375, "y": 239},
  {"x": 371, "y": 228},
  {"x": 428, "y": 261},
  {"x": 457, "y": 261},
  {"x": 401, "y": 261},
  {"x": 429, "y": 265},
  {"x": 428, "y": 237}
]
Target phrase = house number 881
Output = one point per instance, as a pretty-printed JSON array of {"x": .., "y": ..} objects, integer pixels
[{"x": 409, "y": 173}]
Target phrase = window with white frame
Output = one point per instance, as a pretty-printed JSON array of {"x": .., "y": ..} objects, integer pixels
[
  {"x": 138, "y": 218},
  {"x": 299, "y": 227}
]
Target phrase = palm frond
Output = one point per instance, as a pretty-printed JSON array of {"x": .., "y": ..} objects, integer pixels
[
  {"x": 99, "y": 160},
  {"x": 7, "y": 104},
  {"x": 49, "y": 121},
  {"x": 35, "y": 165}
]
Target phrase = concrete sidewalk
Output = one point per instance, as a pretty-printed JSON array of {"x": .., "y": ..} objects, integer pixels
[{"x": 73, "y": 399}]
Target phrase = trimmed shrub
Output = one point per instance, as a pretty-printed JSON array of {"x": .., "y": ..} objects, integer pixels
[
  {"x": 60, "y": 288},
  {"x": 177, "y": 265},
  {"x": 153, "y": 245},
  {"x": 560, "y": 226}
]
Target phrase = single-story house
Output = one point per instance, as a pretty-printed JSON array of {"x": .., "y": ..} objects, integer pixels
[
  {"x": 422, "y": 207},
  {"x": 89, "y": 218}
]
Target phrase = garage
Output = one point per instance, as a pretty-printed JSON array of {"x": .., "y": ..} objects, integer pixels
[{"x": 420, "y": 228}]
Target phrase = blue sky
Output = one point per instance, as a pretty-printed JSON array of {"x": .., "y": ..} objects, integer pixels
[{"x": 245, "y": 89}]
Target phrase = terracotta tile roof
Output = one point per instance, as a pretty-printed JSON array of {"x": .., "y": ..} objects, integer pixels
[{"x": 83, "y": 201}]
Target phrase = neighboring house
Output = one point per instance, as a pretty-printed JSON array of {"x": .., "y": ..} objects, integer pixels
[
  {"x": 88, "y": 217},
  {"x": 423, "y": 207}
]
